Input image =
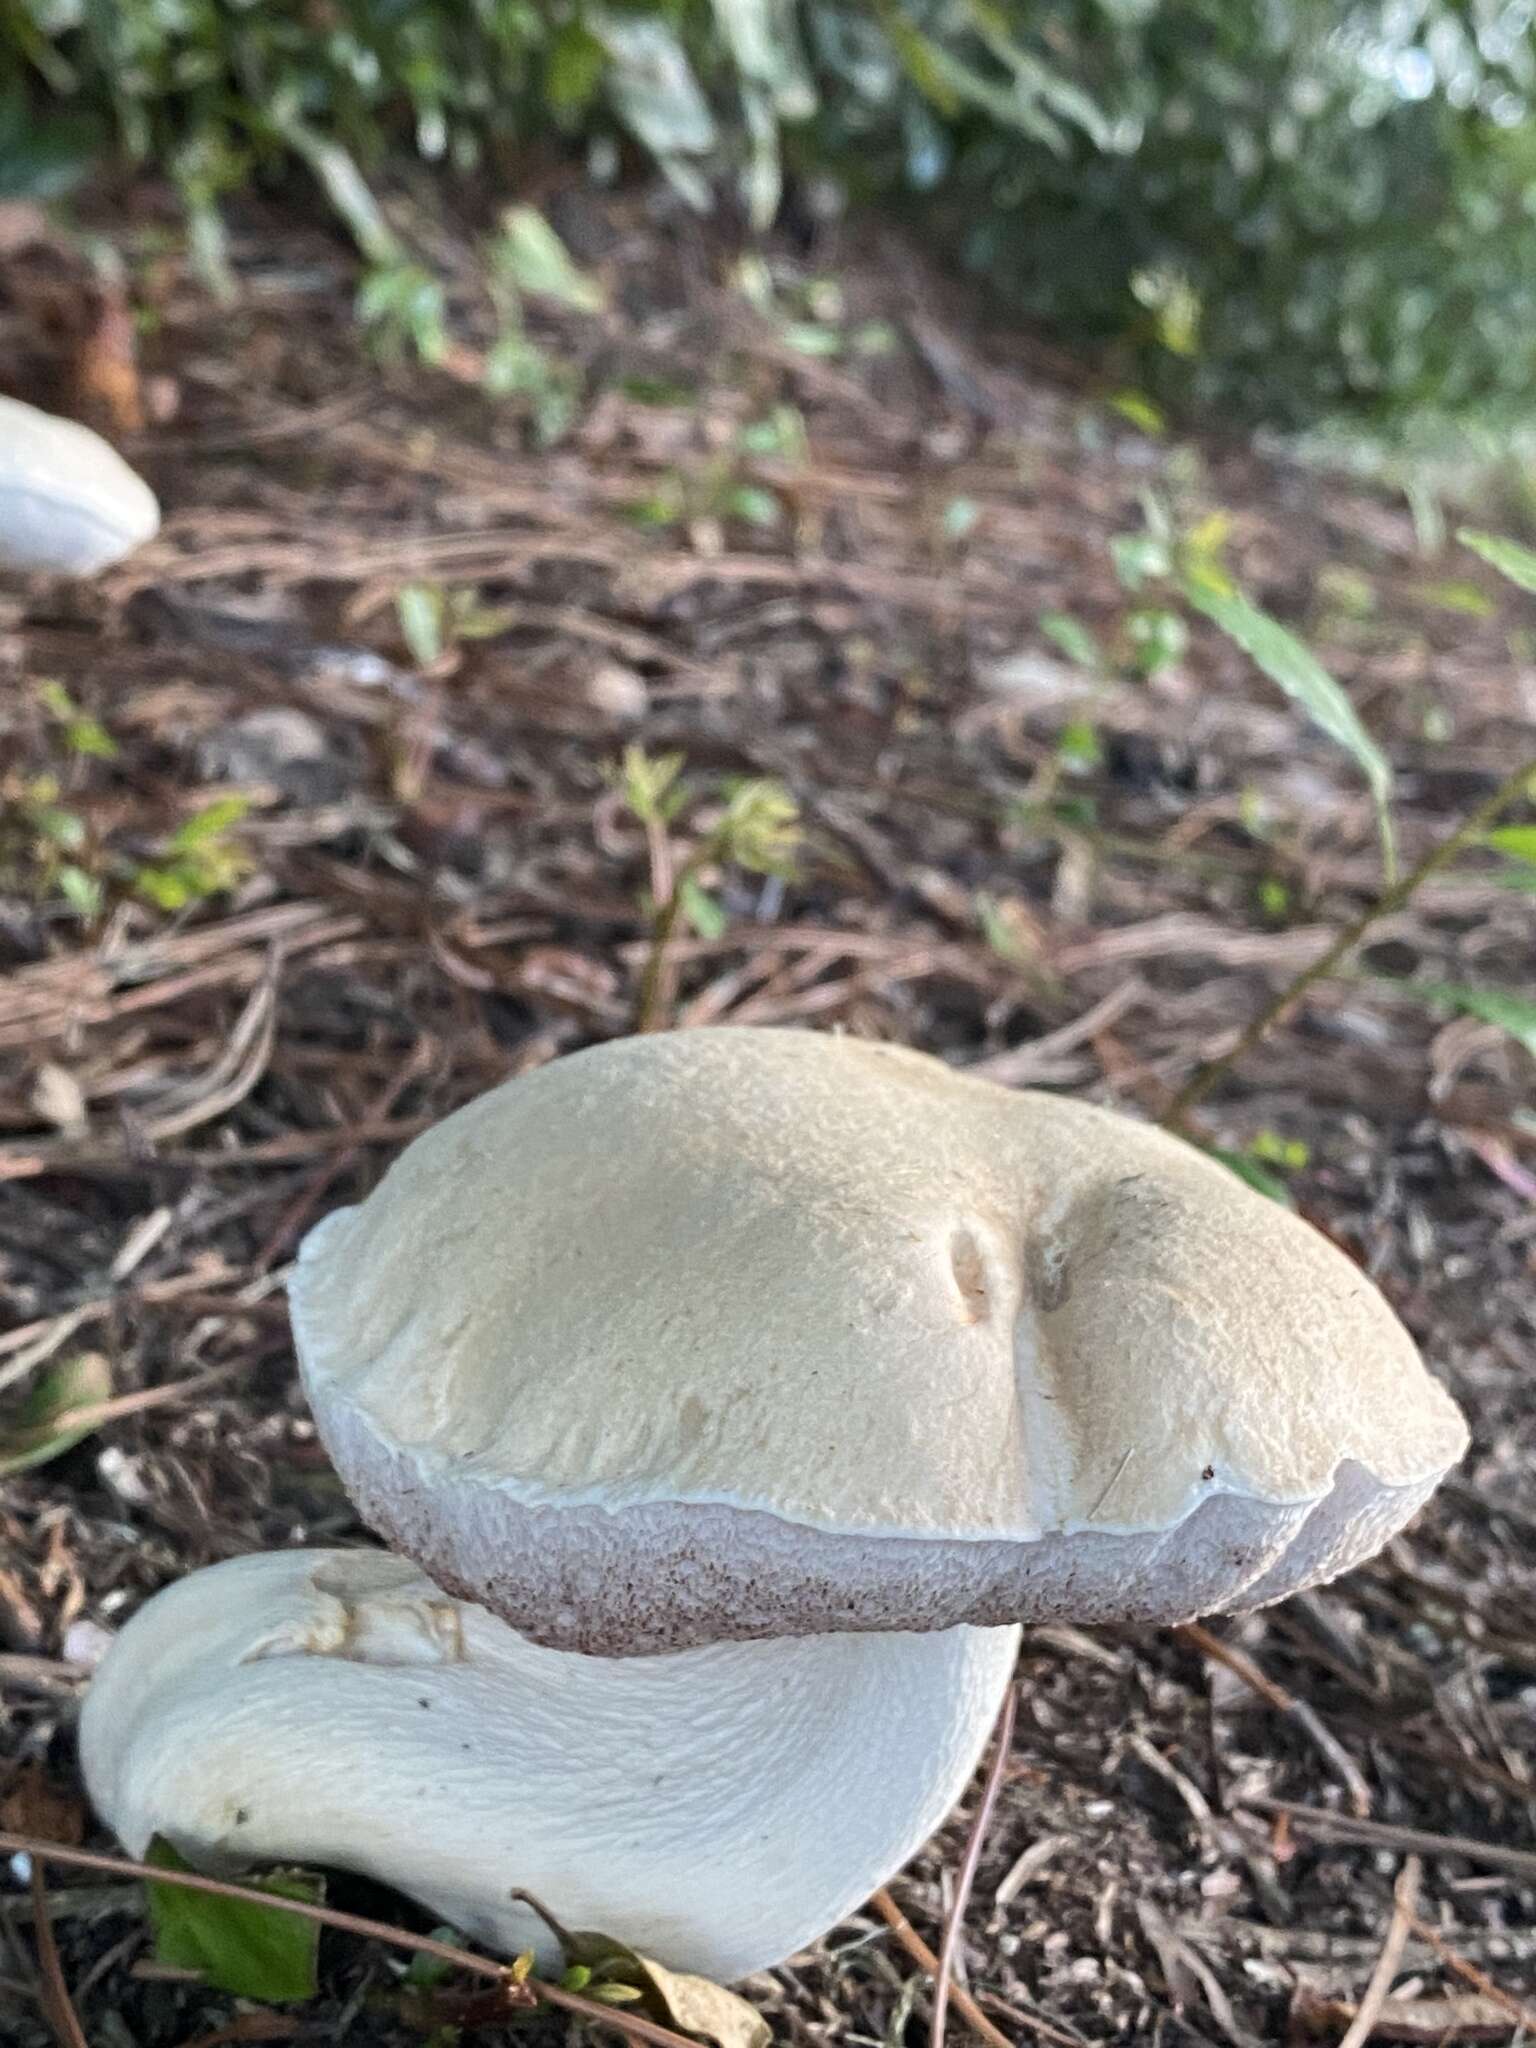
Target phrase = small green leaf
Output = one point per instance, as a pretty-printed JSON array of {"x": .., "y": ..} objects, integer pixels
[
  {"x": 573, "y": 70},
  {"x": 404, "y": 307},
  {"x": 874, "y": 338},
  {"x": 472, "y": 620},
  {"x": 1140, "y": 558},
  {"x": 1345, "y": 592},
  {"x": 82, "y": 735},
  {"x": 779, "y": 432},
  {"x": 1291, "y": 1154},
  {"x": 617, "y": 1974},
  {"x": 761, "y": 827},
  {"x": 1500, "y": 1006},
  {"x": 424, "y": 1972},
  {"x": 1136, "y": 407},
  {"x": 1516, "y": 840},
  {"x": 209, "y": 824},
  {"x": 1001, "y": 932},
  {"x": 1253, "y": 1173},
  {"x": 81, "y": 891},
  {"x": 1507, "y": 556},
  {"x": 812, "y": 338},
  {"x": 651, "y": 784},
  {"x": 1298, "y": 672},
  {"x": 420, "y": 608},
  {"x": 61, "y": 828},
  {"x": 758, "y": 507},
  {"x": 662, "y": 391},
  {"x": 1453, "y": 596},
  {"x": 1274, "y": 897},
  {"x": 1078, "y": 748},
  {"x": 532, "y": 257},
  {"x": 41, "y": 1430},
  {"x": 1073, "y": 638},
  {"x": 1175, "y": 306},
  {"x": 653, "y": 88},
  {"x": 163, "y": 887},
  {"x": 247, "y": 1950},
  {"x": 701, "y": 909},
  {"x": 1158, "y": 639}
]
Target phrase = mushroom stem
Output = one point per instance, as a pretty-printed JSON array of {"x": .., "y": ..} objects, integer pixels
[{"x": 717, "y": 1808}]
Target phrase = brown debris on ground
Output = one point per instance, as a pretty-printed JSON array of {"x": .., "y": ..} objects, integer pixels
[{"x": 435, "y": 885}]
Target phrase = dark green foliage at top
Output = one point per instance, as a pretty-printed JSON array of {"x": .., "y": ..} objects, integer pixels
[
  {"x": 1287, "y": 207},
  {"x": 1303, "y": 206}
]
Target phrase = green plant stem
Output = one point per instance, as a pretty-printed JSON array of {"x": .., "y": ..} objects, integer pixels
[
  {"x": 654, "y": 1002},
  {"x": 1402, "y": 892},
  {"x": 590, "y": 2009}
]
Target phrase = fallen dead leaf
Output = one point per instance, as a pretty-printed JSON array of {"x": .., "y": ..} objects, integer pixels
[
  {"x": 34, "y": 1805},
  {"x": 673, "y": 1998}
]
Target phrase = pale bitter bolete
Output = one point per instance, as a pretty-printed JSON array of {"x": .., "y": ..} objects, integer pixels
[
  {"x": 69, "y": 504},
  {"x": 733, "y": 1395}
]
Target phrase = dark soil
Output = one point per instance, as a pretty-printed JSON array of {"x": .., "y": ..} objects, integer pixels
[{"x": 1076, "y": 882}]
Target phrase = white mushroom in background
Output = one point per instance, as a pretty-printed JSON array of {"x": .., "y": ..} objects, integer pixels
[
  {"x": 730, "y": 1397},
  {"x": 69, "y": 504}
]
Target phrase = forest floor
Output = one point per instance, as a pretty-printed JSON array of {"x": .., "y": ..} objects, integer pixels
[{"x": 804, "y": 524}]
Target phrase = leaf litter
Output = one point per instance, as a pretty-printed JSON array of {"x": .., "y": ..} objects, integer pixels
[{"x": 451, "y": 891}]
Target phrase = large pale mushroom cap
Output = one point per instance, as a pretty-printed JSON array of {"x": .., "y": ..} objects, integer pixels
[
  {"x": 735, "y": 1333},
  {"x": 69, "y": 504}
]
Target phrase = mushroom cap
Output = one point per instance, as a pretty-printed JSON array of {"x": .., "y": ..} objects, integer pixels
[
  {"x": 733, "y": 1333},
  {"x": 69, "y": 504}
]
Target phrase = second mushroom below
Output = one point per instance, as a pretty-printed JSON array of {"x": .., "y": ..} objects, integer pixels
[{"x": 718, "y": 1807}]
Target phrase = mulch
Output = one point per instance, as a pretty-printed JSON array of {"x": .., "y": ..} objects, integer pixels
[{"x": 822, "y": 561}]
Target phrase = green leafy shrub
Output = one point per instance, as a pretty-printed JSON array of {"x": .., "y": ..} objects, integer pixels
[
  {"x": 1288, "y": 207},
  {"x": 1293, "y": 205}
]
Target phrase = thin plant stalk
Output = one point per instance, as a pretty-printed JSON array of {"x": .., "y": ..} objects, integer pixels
[
  {"x": 58, "y": 2006},
  {"x": 591, "y": 2009},
  {"x": 1402, "y": 892},
  {"x": 1002, "y": 1744},
  {"x": 654, "y": 1005}
]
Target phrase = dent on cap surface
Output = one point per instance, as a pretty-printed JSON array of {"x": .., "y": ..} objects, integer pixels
[{"x": 734, "y": 1332}]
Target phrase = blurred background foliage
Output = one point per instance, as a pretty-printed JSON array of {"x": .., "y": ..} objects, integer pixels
[{"x": 1294, "y": 209}]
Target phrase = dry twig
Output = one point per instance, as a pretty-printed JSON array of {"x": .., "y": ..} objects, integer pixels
[
  {"x": 1404, "y": 1897},
  {"x": 1375, "y": 1834},
  {"x": 57, "y": 2004},
  {"x": 1242, "y": 1666},
  {"x": 909, "y": 1939},
  {"x": 1002, "y": 1743},
  {"x": 589, "y": 2009}
]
